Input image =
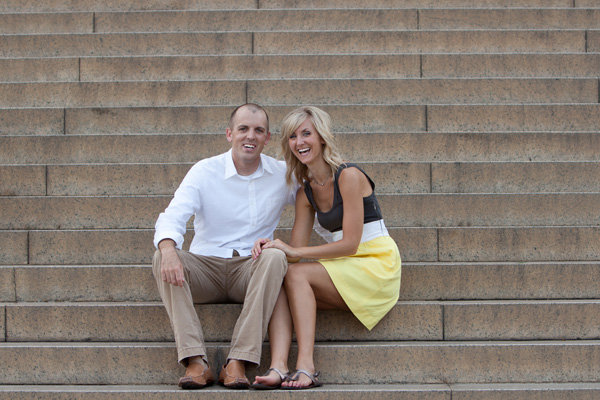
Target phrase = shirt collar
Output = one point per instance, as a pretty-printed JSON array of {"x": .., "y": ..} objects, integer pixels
[{"x": 230, "y": 170}]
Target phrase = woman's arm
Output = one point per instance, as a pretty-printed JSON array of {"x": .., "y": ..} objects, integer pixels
[
  {"x": 303, "y": 223},
  {"x": 303, "y": 220},
  {"x": 353, "y": 186}
]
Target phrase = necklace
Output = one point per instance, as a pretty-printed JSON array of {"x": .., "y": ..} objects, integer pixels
[{"x": 320, "y": 184}]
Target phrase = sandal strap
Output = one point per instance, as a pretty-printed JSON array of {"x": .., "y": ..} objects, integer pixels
[
  {"x": 282, "y": 376},
  {"x": 312, "y": 377}
]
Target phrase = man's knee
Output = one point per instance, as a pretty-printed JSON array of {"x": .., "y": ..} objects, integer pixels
[
  {"x": 274, "y": 260},
  {"x": 274, "y": 255}
]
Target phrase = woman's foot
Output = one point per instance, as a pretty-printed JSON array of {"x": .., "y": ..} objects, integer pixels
[
  {"x": 272, "y": 379},
  {"x": 302, "y": 379}
]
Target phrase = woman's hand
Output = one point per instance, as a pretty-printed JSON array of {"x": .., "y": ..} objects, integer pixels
[
  {"x": 289, "y": 251},
  {"x": 258, "y": 246}
]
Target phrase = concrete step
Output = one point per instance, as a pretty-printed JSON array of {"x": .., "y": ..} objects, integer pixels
[
  {"x": 399, "y": 210},
  {"x": 529, "y": 320},
  {"x": 284, "y": 20},
  {"x": 292, "y": 92},
  {"x": 148, "y": 322},
  {"x": 319, "y": 66},
  {"x": 420, "y": 282},
  {"x": 587, "y": 3},
  {"x": 364, "y": 362},
  {"x": 134, "y": 246},
  {"x": 538, "y": 18},
  {"x": 198, "y": 119},
  {"x": 271, "y": 20},
  {"x": 22, "y": 180},
  {"x": 392, "y": 177},
  {"x": 419, "y": 3},
  {"x": 456, "y": 321},
  {"x": 414, "y": 91},
  {"x": 251, "y": 67},
  {"x": 510, "y": 65},
  {"x": 477, "y": 244},
  {"x": 48, "y": 121},
  {"x": 118, "y": 5},
  {"x": 457, "y": 210},
  {"x": 453, "y": 41},
  {"x": 113, "y": 5},
  {"x": 339, "y": 66},
  {"x": 125, "y": 44},
  {"x": 503, "y": 280},
  {"x": 39, "y": 70},
  {"x": 526, "y": 391},
  {"x": 517, "y": 244},
  {"x": 118, "y": 283},
  {"x": 347, "y": 118},
  {"x": 383, "y": 147},
  {"x": 513, "y": 118},
  {"x": 123, "y": 94},
  {"x": 168, "y": 392},
  {"x": 516, "y": 391},
  {"x": 14, "y": 248},
  {"x": 47, "y": 23},
  {"x": 321, "y": 42},
  {"x": 514, "y": 177},
  {"x": 125, "y": 179},
  {"x": 7, "y": 286},
  {"x": 349, "y": 19},
  {"x": 593, "y": 41}
]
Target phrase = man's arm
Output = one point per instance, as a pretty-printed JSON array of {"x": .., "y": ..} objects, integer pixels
[
  {"x": 171, "y": 269},
  {"x": 171, "y": 225}
]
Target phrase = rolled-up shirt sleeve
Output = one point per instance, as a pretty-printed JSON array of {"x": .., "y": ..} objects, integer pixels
[{"x": 172, "y": 223}]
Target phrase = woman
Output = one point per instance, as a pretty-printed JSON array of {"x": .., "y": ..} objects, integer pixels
[{"x": 358, "y": 271}]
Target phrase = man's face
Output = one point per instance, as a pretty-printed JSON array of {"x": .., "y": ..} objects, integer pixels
[{"x": 248, "y": 135}]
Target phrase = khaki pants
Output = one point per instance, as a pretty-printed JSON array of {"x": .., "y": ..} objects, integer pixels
[{"x": 256, "y": 284}]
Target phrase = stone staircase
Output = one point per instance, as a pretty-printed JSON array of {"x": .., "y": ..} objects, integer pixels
[{"x": 479, "y": 120}]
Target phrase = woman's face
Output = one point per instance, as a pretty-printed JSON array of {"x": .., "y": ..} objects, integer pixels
[{"x": 305, "y": 143}]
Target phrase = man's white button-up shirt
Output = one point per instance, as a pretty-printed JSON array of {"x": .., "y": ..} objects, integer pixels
[{"x": 230, "y": 211}]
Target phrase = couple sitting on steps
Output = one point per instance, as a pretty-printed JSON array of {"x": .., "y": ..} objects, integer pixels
[{"x": 237, "y": 199}]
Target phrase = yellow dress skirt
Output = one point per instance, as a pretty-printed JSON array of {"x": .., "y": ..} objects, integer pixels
[{"x": 368, "y": 281}]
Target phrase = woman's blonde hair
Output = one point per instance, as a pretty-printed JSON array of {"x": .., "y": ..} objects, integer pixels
[{"x": 322, "y": 123}]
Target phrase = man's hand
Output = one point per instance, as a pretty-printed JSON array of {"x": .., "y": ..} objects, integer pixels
[{"x": 171, "y": 268}]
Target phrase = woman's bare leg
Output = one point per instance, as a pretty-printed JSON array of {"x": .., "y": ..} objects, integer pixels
[
  {"x": 280, "y": 340},
  {"x": 308, "y": 285}
]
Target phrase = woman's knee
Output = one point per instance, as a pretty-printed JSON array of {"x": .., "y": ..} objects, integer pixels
[{"x": 295, "y": 275}]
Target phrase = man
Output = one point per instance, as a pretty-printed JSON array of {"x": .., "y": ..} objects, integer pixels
[{"x": 236, "y": 198}]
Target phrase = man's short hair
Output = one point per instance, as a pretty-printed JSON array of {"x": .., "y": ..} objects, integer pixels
[{"x": 251, "y": 106}]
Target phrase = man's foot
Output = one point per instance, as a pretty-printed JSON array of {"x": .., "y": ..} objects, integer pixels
[
  {"x": 272, "y": 379},
  {"x": 233, "y": 375},
  {"x": 198, "y": 374},
  {"x": 302, "y": 379}
]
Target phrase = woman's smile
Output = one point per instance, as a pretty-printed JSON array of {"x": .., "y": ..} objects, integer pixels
[{"x": 304, "y": 140}]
